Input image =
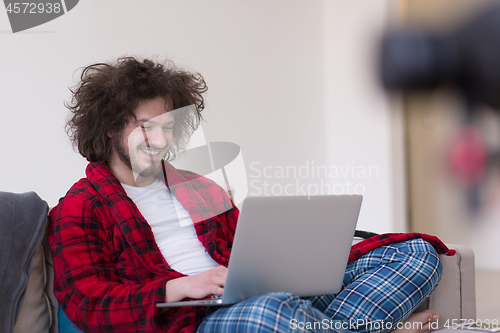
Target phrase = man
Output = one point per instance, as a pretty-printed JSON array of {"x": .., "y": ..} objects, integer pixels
[{"x": 136, "y": 231}]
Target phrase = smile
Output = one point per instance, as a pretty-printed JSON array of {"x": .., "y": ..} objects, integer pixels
[{"x": 151, "y": 151}]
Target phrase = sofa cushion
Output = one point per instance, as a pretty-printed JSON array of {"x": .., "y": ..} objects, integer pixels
[
  {"x": 35, "y": 314},
  {"x": 39, "y": 307}
]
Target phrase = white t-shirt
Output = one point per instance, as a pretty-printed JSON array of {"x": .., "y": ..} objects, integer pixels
[{"x": 172, "y": 227}]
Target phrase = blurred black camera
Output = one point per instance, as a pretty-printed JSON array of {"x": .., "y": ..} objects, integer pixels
[{"x": 467, "y": 58}]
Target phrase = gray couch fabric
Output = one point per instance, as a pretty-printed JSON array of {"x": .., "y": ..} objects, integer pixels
[{"x": 23, "y": 219}]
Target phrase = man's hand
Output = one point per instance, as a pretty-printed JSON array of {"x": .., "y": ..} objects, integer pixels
[{"x": 204, "y": 284}]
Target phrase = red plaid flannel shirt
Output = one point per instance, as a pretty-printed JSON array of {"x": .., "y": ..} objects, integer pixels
[{"x": 109, "y": 272}]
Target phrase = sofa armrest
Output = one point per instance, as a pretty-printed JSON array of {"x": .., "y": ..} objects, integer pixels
[{"x": 455, "y": 296}]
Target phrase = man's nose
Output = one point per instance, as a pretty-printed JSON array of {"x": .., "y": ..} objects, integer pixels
[{"x": 156, "y": 138}]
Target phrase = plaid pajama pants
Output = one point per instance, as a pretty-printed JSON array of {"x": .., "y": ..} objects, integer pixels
[{"x": 380, "y": 289}]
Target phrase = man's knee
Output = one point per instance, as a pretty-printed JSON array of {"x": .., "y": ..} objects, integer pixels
[{"x": 424, "y": 257}]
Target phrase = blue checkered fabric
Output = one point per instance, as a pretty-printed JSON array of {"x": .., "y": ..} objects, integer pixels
[{"x": 380, "y": 289}]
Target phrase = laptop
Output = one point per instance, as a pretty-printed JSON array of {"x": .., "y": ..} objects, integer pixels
[{"x": 295, "y": 244}]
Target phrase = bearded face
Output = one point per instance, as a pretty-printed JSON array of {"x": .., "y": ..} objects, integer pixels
[{"x": 146, "y": 139}]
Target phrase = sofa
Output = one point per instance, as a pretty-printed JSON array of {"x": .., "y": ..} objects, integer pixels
[
  {"x": 39, "y": 309},
  {"x": 454, "y": 298}
]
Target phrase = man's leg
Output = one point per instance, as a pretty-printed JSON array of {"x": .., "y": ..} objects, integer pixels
[
  {"x": 275, "y": 312},
  {"x": 387, "y": 284}
]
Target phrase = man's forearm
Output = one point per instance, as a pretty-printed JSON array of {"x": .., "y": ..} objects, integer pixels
[
  {"x": 197, "y": 286},
  {"x": 174, "y": 290}
]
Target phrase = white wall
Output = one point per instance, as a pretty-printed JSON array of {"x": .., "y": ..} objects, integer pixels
[
  {"x": 290, "y": 81},
  {"x": 358, "y": 118}
]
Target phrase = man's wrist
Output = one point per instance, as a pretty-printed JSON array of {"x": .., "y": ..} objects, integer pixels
[{"x": 174, "y": 291}]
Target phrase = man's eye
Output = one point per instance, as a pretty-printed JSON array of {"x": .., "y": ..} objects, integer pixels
[
  {"x": 168, "y": 128},
  {"x": 146, "y": 128}
]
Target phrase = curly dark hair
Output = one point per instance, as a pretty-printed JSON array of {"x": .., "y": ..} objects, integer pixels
[{"x": 107, "y": 95}]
